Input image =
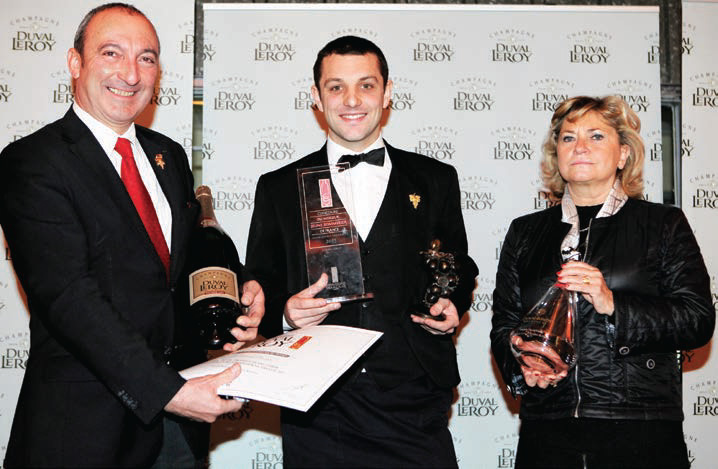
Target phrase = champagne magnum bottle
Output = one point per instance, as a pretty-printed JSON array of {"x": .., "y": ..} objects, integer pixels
[{"x": 214, "y": 293}]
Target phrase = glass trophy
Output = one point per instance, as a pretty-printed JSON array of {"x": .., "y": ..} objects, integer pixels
[
  {"x": 544, "y": 341},
  {"x": 331, "y": 243}
]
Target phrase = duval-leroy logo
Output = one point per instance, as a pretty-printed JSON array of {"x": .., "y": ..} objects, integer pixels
[
  {"x": 433, "y": 45},
  {"x": 403, "y": 96},
  {"x": 475, "y": 94},
  {"x": 14, "y": 350},
  {"x": 184, "y": 133},
  {"x": 34, "y": 33},
  {"x": 498, "y": 234},
  {"x": 704, "y": 90},
  {"x": 653, "y": 49},
  {"x": 242, "y": 414},
  {"x": 688, "y": 134},
  {"x": 7, "y": 79},
  {"x": 209, "y": 137},
  {"x": 478, "y": 399},
  {"x": 209, "y": 46},
  {"x": 514, "y": 143},
  {"x": 435, "y": 141},
  {"x": 704, "y": 398},
  {"x": 168, "y": 93},
  {"x": 302, "y": 100},
  {"x": 478, "y": 193},
  {"x": 511, "y": 45},
  {"x": 355, "y": 31},
  {"x": 233, "y": 193},
  {"x": 505, "y": 447},
  {"x": 266, "y": 452},
  {"x": 589, "y": 47},
  {"x": 483, "y": 295},
  {"x": 234, "y": 94},
  {"x": 275, "y": 44},
  {"x": 687, "y": 41},
  {"x": 548, "y": 93},
  {"x": 274, "y": 142},
  {"x": 62, "y": 87},
  {"x": 649, "y": 188},
  {"x": 693, "y": 448},
  {"x": 705, "y": 191},
  {"x": 23, "y": 128},
  {"x": 186, "y": 43},
  {"x": 542, "y": 198},
  {"x": 654, "y": 146},
  {"x": 634, "y": 92}
]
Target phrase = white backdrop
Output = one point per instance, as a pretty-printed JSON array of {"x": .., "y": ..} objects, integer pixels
[
  {"x": 474, "y": 86},
  {"x": 35, "y": 89},
  {"x": 700, "y": 201}
]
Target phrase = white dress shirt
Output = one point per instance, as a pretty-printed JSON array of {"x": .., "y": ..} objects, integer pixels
[
  {"x": 368, "y": 185},
  {"x": 107, "y": 139}
]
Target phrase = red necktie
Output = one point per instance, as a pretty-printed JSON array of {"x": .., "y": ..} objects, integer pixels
[{"x": 141, "y": 198}]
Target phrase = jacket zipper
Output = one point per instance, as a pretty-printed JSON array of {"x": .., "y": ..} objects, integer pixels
[
  {"x": 578, "y": 392},
  {"x": 575, "y": 370}
]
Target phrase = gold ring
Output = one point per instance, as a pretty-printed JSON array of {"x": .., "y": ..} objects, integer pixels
[{"x": 586, "y": 281}]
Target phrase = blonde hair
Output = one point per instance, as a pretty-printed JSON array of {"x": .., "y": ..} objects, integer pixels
[{"x": 616, "y": 113}]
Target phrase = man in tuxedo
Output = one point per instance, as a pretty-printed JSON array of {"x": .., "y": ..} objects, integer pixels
[
  {"x": 391, "y": 409},
  {"x": 97, "y": 213}
]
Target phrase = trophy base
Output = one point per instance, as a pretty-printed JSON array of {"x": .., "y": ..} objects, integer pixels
[
  {"x": 440, "y": 317},
  {"x": 350, "y": 298}
]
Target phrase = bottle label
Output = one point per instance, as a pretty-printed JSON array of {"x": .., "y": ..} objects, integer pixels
[{"x": 212, "y": 282}]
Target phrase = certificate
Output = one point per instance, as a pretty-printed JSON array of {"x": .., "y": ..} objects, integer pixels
[{"x": 291, "y": 370}]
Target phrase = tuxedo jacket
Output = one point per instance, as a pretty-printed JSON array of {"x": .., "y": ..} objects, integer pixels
[
  {"x": 102, "y": 311},
  {"x": 392, "y": 266}
]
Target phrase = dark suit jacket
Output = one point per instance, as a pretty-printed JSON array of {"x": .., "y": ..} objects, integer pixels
[
  {"x": 102, "y": 311},
  {"x": 275, "y": 252}
]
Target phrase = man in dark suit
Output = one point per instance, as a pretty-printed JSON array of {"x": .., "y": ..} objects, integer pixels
[
  {"x": 391, "y": 409},
  {"x": 98, "y": 230}
]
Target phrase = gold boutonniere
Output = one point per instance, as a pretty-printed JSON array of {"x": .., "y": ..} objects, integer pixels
[
  {"x": 415, "y": 199},
  {"x": 160, "y": 161}
]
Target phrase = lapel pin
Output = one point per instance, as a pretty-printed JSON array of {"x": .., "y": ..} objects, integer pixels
[
  {"x": 415, "y": 199},
  {"x": 160, "y": 161}
]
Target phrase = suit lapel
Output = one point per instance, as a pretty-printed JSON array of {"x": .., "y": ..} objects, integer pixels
[
  {"x": 159, "y": 158},
  {"x": 102, "y": 177},
  {"x": 407, "y": 190}
]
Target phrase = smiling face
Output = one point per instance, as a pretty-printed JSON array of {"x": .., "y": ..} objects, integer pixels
[
  {"x": 352, "y": 97},
  {"x": 115, "y": 74},
  {"x": 589, "y": 154}
]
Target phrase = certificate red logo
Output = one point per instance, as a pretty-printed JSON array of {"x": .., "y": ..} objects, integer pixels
[{"x": 300, "y": 342}]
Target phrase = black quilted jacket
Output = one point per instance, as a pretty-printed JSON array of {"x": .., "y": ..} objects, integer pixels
[{"x": 628, "y": 364}]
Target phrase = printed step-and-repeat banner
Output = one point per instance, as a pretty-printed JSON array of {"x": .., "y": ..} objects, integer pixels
[
  {"x": 700, "y": 201},
  {"x": 474, "y": 86},
  {"x": 36, "y": 89}
]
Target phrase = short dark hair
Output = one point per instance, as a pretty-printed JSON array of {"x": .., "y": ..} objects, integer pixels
[
  {"x": 81, "y": 32},
  {"x": 350, "y": 45}
]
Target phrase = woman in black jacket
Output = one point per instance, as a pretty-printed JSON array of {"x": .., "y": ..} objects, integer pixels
[{"x": 643, "y": 294}]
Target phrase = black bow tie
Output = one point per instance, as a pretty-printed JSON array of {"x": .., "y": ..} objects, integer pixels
[{"x": 375, "y": 157}]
